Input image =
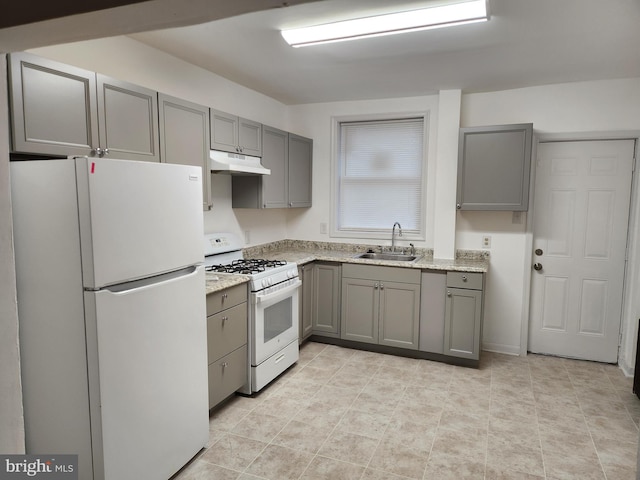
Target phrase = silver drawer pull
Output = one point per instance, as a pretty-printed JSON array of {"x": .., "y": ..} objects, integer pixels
[
  {"x": 224, "y": 319},
  {"x": 225, "y": 364},
  {"x": 448, "y": 293},
  {"x": 464, "y": 278}
]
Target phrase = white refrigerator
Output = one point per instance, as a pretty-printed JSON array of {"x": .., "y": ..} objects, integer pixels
[{"x": 111, "y": 308}]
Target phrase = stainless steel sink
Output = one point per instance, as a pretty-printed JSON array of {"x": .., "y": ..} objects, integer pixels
[{"x": 396, "y": 257}]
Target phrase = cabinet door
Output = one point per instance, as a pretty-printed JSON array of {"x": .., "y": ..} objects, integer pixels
[
  {"x": 399, "y": 314},
  {"x": 128, "y": 122},
  {"x": 224, "y": 131},
  {"x": 432, "y": 311},
  {"x": 360, "y": 307},
  {"x": 53, "y": 107},
  {"x": 274, "y": 157},
  {"x": 184, "y": 137},
  {"x": 305, "y": 273},
  {"x": 326, "y": 299},
  {"x": 300, "y": 171},
  {"x": 493, "y": 167},
  {"x": 463, "y": 315},
  {"x": 250, "y": 137}
]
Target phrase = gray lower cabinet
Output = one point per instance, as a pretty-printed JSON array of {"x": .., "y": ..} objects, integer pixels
[
  {"x": 57, "y": 109},
  {"x": 494, "y": 166},
  {"x": 234, "y": 134},
  {"x": 320, "y": 302},
  {"x": 289, "y": 157},
  {"x": 381, "y": 305},
  {"x": 184, "y": 137},
  {"x": 432, "y": 311},
  {"x": 305, "y": 301},
  {"x": 325, "y": 314},
  {"x": 227, "y": 342},
  {"x": 463, "y": 315}
]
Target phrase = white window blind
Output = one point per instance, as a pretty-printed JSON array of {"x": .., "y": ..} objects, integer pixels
[{"x": 380, "y": 169}]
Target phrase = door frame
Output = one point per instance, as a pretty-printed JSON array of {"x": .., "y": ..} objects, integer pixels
[{"x": 631, "y": 277}]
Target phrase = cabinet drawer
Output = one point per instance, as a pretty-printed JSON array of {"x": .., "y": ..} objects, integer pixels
[
  {"x": 472, "y": 281},
  {"x": 226, "y": 331},
  {"x": 387, "y": 274},
  {"x": 227, "y": 375},
  {"x": 218, "y": 301}
]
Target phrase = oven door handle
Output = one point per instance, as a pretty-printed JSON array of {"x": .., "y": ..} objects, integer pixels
[{"x": 277, "y": 296}]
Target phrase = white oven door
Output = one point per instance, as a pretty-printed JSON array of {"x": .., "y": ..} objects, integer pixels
[{"x": 275, "y": 320}]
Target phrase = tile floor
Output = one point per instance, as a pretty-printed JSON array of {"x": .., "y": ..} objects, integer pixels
[{"x": 349, "y": 414}]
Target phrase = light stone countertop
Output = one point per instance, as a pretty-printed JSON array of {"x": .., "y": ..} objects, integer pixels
[
  {"x": 301, "y": 252},
  {"x": 217, "y": 281}
]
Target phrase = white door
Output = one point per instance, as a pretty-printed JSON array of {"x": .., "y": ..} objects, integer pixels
[
  {"x": 148, "y": 376},
  {"x": 582, "y": 197},
  {"x": 137, "y": 219}
]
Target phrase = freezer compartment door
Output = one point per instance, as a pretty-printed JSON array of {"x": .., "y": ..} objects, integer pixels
[
  {"x": 137, "y": 219},
  {"x": 148, "y": 376}
]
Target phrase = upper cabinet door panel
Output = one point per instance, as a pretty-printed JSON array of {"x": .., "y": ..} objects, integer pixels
[
  {"x": 250, "y": 137},
  {"x": 300, "y": 170},
  {"x": 275, "y": 158},
  {"x": 224, "y": 131},
  {"x": 494, "y": 167},
  {"x": 53, "y": 107},
  {"x": 128, "y": 120},
  {"x": 184, "y": 137}
]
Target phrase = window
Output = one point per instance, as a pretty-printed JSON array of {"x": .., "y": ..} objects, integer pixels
[{"x": 380, "y": 178}]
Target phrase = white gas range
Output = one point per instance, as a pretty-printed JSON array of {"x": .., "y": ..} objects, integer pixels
[{"x": 273, "y": 307}]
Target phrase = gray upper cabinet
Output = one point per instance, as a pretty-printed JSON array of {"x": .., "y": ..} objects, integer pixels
[
  {"x": 54, "y": 109},
  {"x": 128, "y": 120},
  {"x": 62, "y": 110},
  {"x": 494, "y": 166},
  {"x": 289, "y": 157},
  {"x": 300, "y": 173},
  {"x": 234, "y": 134},
  {"x": 184, "y": 137}
]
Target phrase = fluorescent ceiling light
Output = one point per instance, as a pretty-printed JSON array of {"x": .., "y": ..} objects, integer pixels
[{"x": 401, "y": 22}]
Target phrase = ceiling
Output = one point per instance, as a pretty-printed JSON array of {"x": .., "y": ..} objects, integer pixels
[{"x": 525, "y": 43}]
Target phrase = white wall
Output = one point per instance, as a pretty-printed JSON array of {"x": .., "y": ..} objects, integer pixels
[
  {"x": 11, "y": 419},
  {"x": 602, "y": 106},
  {"x": 127, "y": 59}
]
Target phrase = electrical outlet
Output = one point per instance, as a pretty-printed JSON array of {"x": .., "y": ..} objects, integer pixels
[
  {"x": 323, "y": 228},
  {"x": 486, "y": 241}
]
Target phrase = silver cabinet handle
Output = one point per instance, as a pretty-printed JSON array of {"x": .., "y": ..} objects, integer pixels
[
  {"x": 464, "y": 278},
  {"x": 448, "y": 293},
  {"x": 224, "y": 364},
  {"x": 375, "y": 285},
  {"x": 224, "y": 319},
  {"x": 96, "y": 151},
  {"x": 382, "y": 286},
  {"x": 105, "y": 151}
]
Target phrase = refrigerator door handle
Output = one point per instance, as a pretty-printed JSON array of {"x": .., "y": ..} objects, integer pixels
[{"x": 128, "y": 287}]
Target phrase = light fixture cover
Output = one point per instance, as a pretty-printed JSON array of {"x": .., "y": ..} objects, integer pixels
[{"x": 457, "y": 13}]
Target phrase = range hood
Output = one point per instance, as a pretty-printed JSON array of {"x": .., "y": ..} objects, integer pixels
[{"x": 235, "y": 164}]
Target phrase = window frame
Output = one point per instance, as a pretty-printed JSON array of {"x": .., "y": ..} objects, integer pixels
[{"x": 379, "y": 234}]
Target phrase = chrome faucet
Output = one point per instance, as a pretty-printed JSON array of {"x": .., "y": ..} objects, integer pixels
[{"x": 393, "y": 235}]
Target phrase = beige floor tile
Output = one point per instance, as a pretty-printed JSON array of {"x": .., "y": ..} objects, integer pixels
[
  {"x": 322, "y": 468},
  {"x": 280, "y": 463},
  {"x": 367, "y": 424},
  {"x": 343, "y": 413},
  {"x": 349, "y": 447},
  {"x": 201, "y": 470},
  {"x": 399, "y": 459},
  {"x": 260, "y": 426},
  {"x": 454, "y": 467},
  {"x": 233, "y": 452},
  {"x": 515, "y": 454},
  {"x": 302, "y": 436},
  {"x": 572, "y": 467}
]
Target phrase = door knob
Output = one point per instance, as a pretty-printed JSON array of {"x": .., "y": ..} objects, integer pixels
[{"x": 537, "y": 266}]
